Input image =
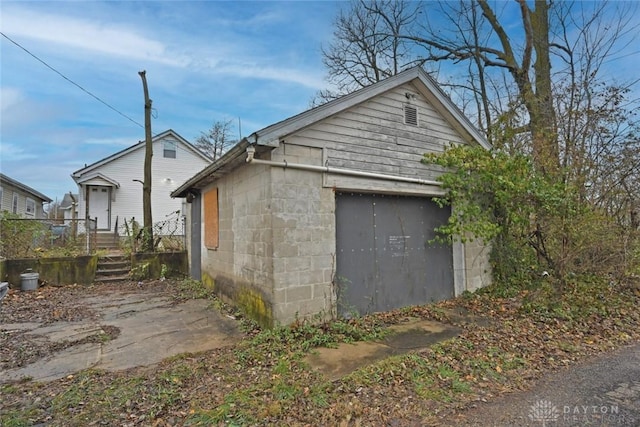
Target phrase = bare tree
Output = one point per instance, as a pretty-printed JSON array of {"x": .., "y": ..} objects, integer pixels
[
  {"x": 217, "y": 140},
  {"x": 367, "y": 46},
  {"x": 508, "y": 71}
]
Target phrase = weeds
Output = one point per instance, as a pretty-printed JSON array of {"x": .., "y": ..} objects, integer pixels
[
  {"x": 264, "y": 380},
  {"x": 193, "y": 289}
]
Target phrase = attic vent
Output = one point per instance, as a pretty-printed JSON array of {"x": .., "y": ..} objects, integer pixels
[{"x": 410, "y": 115}]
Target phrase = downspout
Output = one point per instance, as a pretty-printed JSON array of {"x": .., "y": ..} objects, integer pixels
[{"x": 251, "y": 159}]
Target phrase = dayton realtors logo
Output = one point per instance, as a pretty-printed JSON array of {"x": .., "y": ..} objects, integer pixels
[{"x": 544, "y": 411}]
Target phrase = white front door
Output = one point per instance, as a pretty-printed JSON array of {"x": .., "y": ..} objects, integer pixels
[{"x": 100, "y": 206}]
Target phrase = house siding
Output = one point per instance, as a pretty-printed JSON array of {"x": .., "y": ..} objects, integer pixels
[
  {"x": 390, "y": 146},
  {"x": 6, "y": 204},
  {"x": 167, "y": 175}
]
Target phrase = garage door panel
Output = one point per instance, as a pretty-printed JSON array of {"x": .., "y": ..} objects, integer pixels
[
  {"x": 353, "y": 284},
  {"x": 384, "y": 253}
]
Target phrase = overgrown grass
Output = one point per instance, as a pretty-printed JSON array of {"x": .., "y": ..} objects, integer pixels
[
  {"x": 264, "y": 380},
  {"x": 193, "y": 289}
]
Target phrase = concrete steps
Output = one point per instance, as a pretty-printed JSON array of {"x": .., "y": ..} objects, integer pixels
[
  {"x": 108, "y": 241},
  {"x": 113, "y": 268}
]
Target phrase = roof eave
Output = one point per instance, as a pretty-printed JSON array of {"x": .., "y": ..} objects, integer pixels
[
  {"x": 26, "y": 188},
  {"x": 208, "y": 174}
]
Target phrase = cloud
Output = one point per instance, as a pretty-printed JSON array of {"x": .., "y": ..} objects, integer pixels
[
  {"x": 288, "y": 74},
  {"x": 9, "y": 98},
  {"x": 234, "y": 54},
  {"x": 88, "y": 35},
  {"x": 20, "y": 114},
  {"x": 13, "y": 153}
]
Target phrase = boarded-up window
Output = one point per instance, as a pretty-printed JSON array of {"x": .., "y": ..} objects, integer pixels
[
  {"x": 411, "y": 115},
  {"x": 211, "y": 219}
]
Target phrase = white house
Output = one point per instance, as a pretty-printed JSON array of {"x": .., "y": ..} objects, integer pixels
[
  {"x": 110, "y": 190},
  {"x": 332, "y": 211}
]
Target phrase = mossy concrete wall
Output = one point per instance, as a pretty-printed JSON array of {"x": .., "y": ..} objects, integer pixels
[
  {"x": 79, "y": 270},
  {"x": 250, "y": 300},
  {"x": 149, "y": 265}
]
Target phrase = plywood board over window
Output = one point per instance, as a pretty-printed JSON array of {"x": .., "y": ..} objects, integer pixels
[{"x": 211, "y": 219}]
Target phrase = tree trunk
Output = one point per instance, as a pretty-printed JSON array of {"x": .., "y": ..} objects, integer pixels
[
  {"x": 542, "y": 111},
  {"x": 147, "y": 234}
]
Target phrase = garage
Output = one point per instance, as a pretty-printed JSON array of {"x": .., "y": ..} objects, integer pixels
[
  {"x": 385, "y": 257},
  {"x": 330, "y": 212}
]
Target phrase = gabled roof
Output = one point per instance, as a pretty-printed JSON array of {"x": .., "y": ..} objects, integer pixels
[
  {"x": 100, "y": 177},
  {"x": 424, "y": 83},
  {"x": 137, "y": 146},
  {"x": 271, "y": 135},
  {"x": 68, "y": 200},
  {"x": 25, "y": 188}
]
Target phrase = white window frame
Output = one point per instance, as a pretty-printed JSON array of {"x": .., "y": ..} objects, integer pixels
[
  {"x": 29, "y": 201},
  {"x": 14, "y": 203},
  {"x": 168, "y": 148}
]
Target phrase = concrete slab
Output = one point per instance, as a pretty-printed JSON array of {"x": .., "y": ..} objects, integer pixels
[
  {"x": 67, "y": 331},
  {"x": 60, "y": 365},
  {"x": 335, "y": 363},
  {"x": 154, "y": 334},
  {"x": 151, "y": 329},
  {"x": 27, "y": 326},
  {"x": 414, "y": 334}
]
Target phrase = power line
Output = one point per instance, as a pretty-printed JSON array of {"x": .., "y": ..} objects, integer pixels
[{"x": 70, "y": 81}]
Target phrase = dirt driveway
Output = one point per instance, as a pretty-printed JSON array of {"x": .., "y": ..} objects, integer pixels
[{"x": 54, "y": 332}]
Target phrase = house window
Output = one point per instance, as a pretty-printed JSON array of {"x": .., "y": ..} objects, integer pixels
[
  {"x": 30, "y": 207},
  {"x": 14, "y": 203},
  {"x": 211, "y": 219},
  {"x": 410, "y": 115},
  {"x": 1, "y": 196},
  {"x": 169, "y": 150}
]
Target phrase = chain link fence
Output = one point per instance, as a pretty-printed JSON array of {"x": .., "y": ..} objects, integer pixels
[
  {"x": 31, "y": 238},
  {"x": 168, "y": 234}
]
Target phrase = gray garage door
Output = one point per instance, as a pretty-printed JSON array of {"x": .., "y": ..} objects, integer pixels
[{"x": 384, "y": 256}]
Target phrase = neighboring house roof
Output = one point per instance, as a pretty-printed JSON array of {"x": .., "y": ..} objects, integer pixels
[
  {"x": 271, "y": 135},
  {"x": 80, "y": 172},
  {"x": 25, "y": 188},
  {"x": 68, "y": 200}
]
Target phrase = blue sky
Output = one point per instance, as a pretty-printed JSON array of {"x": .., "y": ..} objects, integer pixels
[{"x": 205, "y": 61}]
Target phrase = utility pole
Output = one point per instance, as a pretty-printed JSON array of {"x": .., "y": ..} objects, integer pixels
[{"x": 147, "y": 233}]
